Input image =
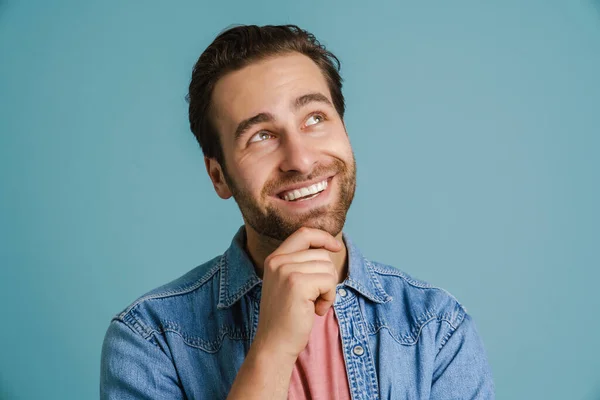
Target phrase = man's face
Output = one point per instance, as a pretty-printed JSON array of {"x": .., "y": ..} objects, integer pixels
[{"x": 287, "y": 154}]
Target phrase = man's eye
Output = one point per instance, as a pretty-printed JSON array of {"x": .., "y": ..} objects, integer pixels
[
  {"x": 260, "y": 136},
  {"x": 316, "y": 118}
]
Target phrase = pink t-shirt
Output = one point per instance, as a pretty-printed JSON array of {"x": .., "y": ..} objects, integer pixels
[{"x": 320, "y": 372}]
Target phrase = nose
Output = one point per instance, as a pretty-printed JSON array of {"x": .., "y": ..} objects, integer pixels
[{"x": 298, "y": 154}]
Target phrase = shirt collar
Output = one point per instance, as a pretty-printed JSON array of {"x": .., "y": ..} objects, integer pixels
[
  {"x": 361, "y": 275},
  {"x": 238, "y": 275}
]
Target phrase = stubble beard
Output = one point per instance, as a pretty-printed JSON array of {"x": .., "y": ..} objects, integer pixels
[{"x": 269, "y": 221}]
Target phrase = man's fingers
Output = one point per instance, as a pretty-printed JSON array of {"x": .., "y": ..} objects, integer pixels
[
  {"x": 307, "y": 238},
  {"x": 322, "y": 306},
  {"x": 325, "y": 299},
  {"x": 309, "y": 268},
  {"x": 301, "y": 257},
  {"x": 322, "y": 285}
]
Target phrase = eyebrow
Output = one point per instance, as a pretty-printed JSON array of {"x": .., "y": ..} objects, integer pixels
[{"x": 298, "y": 103}]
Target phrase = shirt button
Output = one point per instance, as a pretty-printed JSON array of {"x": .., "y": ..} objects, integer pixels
[
  {"x": 358, "y": 350},
  {"x": 342, "y": 292}
]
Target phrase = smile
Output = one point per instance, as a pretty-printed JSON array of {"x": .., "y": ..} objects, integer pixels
[{"x": 305, "y": 193}]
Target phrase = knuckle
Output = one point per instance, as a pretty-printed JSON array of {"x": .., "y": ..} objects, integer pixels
[
  {"x": 273, "y": 260},
  {"x": 270, "y": 264},
  {"x": 304, "y": 230},
  {"x": 293, "y": 278}
]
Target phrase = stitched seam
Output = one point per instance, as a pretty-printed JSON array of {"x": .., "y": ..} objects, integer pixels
[
  {"x": 232, "y": 333},
  {"x": 360, "y": 287},
  {"x": 414, "y": 283},
  {"x": 135, "y": 324},
  {"x": 205, "y": 345},
  {"x": 225, "y": 300},
  {"x": 409, "y": 340},
  {"x": 447, "y": 336},
  {"x": 363, "y": 290},
  {"x": 386, "y": 270},
  {"x": 414, "y": 339},
  {"x": 453, "y": 325},
  {"x": 380, "y": 291},
  {"x": 174, "y": 292},
  {"x": 449, "y": 322},
  {"x": 149, "y": 334},
  {"x": 223, "y": 281},
  {"x": 237, "y": 295}
]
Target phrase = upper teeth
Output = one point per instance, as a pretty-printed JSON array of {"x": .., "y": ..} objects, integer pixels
[{"x": 305, "y": 191}]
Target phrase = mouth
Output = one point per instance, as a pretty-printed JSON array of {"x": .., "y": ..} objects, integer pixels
[{"x": 306, "y": 192}]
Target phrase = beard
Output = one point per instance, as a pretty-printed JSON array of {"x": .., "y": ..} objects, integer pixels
[{"x": 272, "y": 222}]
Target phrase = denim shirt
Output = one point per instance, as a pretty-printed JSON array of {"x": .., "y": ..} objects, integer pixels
[{"x": 401, "y": 338}]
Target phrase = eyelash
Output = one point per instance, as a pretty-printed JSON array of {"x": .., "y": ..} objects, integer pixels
[{"x": 315, "y": 113}]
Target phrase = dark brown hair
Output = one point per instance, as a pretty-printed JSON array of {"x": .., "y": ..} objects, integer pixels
[{"x": 239, "y": 46}]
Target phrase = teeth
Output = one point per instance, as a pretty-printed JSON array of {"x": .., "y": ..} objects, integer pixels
[{"x": 305, "y": 191}]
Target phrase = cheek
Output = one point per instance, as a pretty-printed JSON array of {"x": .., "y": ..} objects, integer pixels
[
  {"x": 339, "y": 146},
  {"x": 254, "y": 176}
]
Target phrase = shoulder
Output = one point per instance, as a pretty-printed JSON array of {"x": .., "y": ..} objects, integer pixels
[
  {"x": 155, "y": 310},
  {"x": 414, "y": 305}
]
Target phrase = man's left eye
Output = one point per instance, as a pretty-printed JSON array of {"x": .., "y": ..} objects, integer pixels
[{"x": 316, "y": 118}]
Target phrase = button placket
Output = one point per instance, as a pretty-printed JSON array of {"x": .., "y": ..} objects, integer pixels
[{"x": 359, "y": 363}]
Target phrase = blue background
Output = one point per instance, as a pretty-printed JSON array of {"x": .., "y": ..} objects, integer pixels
[{"x": 475, "y": 127}]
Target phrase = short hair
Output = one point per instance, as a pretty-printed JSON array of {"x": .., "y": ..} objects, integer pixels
[{"x": 236, "y": 48}]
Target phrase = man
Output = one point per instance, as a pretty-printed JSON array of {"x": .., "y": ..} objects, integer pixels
[{"x": 292, "y": 309}]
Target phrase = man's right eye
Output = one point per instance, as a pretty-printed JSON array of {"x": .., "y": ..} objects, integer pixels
[{"x": 260, "y": 136}]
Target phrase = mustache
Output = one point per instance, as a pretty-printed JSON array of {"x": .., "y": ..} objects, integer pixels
[{"x": 275, "y": 185}]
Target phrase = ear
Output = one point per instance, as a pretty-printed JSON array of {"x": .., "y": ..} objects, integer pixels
[{"x": 218, "y": 179}]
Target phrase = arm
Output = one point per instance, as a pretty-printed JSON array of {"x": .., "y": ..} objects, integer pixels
[
  {"x": 133, "y": 367},
  {"x": 299, "y": 280},
  {"x": 264, "y": 374},
  {"x": 462, "y": 370}
]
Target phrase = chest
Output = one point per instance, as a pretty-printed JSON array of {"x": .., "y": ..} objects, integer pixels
[{"x": 380, "y": 356}]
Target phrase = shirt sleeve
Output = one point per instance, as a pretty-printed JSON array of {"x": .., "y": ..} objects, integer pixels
[
  {"x": 133, "y": 367},
  {"x": 462, "y": 370}
]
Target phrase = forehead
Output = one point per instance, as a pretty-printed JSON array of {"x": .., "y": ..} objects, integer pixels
[{"x": 265, "y": 86}]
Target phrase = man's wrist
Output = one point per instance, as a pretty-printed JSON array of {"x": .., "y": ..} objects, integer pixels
[
  {"x": 265, "y": 374},
  {"x": 263, "y": 351}
]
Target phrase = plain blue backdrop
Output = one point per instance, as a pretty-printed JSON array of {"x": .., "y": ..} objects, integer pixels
[{"x": 476, "y": 132}]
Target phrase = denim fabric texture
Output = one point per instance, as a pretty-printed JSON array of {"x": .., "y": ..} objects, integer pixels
[{"x": 402, "y": 338}]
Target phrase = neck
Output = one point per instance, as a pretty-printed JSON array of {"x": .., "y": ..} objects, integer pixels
[{"x": 259, "y": 247}]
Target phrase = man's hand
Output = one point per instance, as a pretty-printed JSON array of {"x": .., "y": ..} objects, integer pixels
[{"x": 299, "y": 280}]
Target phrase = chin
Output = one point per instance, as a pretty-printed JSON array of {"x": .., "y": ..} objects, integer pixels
[{"x": 329, "y": 226}]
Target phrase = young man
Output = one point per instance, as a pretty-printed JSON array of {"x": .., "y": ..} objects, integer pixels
[{"x": 292, "y": 309}]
